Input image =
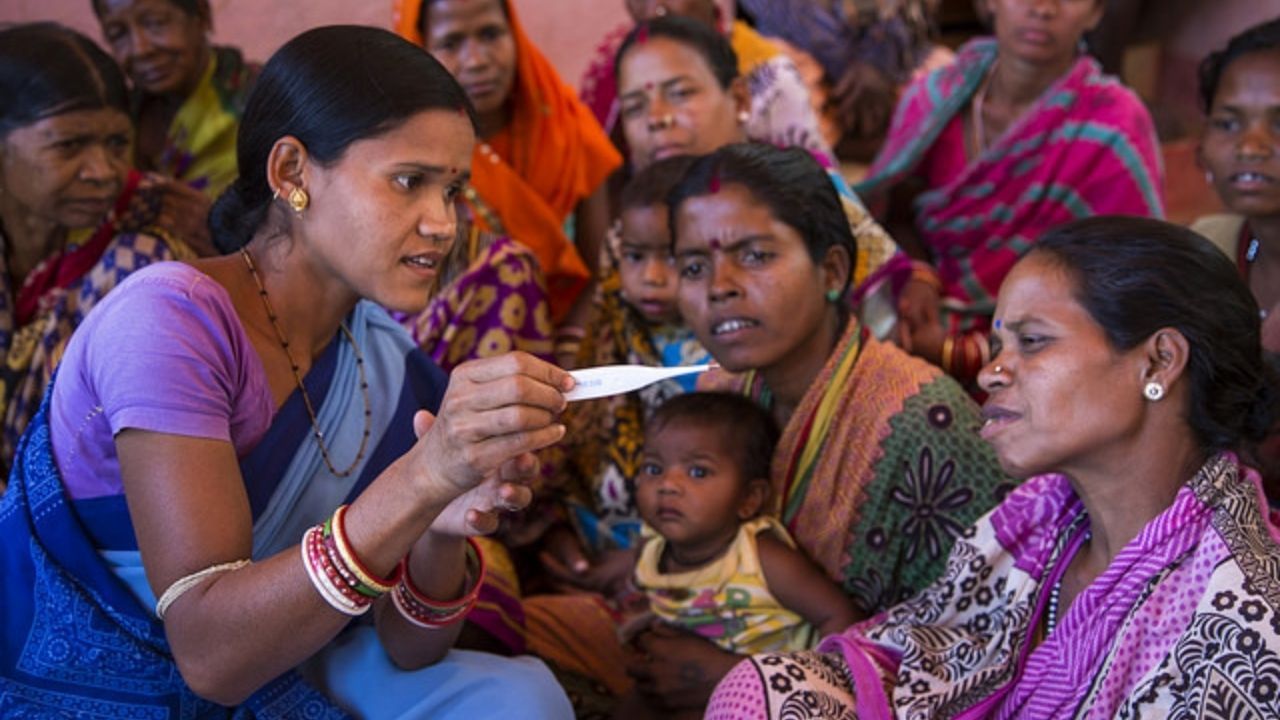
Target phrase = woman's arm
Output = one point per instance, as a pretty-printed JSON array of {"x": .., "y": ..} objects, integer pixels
[
  {"x": 591, "y": 221},
  {"x": 233, "y": 633},
  {"x": 803, "y": 588}
]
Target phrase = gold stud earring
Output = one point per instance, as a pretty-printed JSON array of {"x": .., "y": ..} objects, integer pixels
[{"x": 298, "y": 200}]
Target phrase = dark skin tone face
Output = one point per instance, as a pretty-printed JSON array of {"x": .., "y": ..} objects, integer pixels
[
  {"x": 161, "y": 46},
  {"x": 646, "y": 266},
  {"x": 1240, "y": 149},
  {"x": 473, "y": 40}
]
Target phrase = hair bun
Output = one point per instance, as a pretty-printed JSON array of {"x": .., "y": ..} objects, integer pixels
[{"x": 232, "y": 221}]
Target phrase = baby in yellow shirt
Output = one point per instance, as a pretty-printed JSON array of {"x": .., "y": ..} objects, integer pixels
[{"x": 718, "y": 567}]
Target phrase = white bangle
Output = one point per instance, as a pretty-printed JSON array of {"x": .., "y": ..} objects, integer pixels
[
  {"x": 182, "y": 585},
  {"x": 330, "y": 594}
]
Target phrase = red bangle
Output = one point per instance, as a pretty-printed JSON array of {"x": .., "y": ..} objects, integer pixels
[
  {"x": 424, "y": 612},
  {"x": 374, "y": 583}
]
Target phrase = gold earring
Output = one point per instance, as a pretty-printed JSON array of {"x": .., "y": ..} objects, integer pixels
[{"x": 298, "y": 200}]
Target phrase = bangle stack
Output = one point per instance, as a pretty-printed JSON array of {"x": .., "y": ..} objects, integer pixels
[
  {"x": 964, "y": 355},
  {"x": 351, "y": 588},
  {"x": 424, "y": 612},
  {"x": 335, "y": 570}
]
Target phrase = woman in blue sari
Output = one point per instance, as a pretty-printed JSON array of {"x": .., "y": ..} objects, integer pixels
[{"x": 208, "y": 417}]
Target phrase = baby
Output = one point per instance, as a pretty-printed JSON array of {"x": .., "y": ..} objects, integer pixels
[{"x": 720, "y": 567}]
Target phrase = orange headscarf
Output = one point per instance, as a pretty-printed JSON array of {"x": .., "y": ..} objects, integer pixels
[{"x": 553, "y": 155}]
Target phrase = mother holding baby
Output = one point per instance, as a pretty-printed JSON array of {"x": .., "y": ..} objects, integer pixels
[{"x": 880, "y": 465}]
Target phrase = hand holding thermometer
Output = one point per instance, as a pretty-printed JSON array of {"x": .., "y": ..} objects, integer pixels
[{"x": 607, "y": 380}]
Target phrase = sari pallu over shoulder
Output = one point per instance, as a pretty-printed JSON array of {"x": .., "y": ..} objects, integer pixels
[
  {"x": 1086, "y": 147},
  {"x": 76, "y": 590},
  {"x": 200, "y": 143},
  {"x": 74, "y": 640},
  {"x": 1184, "y": 623},
  {"x": 535, "y": 171},
  {"x": 880, "y": 468}
]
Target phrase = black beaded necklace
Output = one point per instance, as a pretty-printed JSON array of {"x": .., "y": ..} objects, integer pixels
[{"x": 297, "y": 377}]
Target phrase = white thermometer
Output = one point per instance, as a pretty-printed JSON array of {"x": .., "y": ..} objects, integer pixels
[{"x": 608, "y": 380}]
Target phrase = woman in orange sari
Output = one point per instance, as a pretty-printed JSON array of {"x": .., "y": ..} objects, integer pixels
[{"x": 538, "y": 174}]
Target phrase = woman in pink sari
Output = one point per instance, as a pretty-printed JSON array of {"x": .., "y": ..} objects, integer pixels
[
  {"x": 1020, "y": 134},
  {"x": 1136, "y": 573}
]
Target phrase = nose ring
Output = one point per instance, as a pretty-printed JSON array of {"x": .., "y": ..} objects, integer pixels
[
  {"x": 663, "y": 122},
  {"x": 998, "y": 370}
]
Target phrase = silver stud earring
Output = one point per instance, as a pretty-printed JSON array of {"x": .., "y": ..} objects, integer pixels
[
  {"x": 743, "y": 117},
  {"x": 1153, "y": 391}
]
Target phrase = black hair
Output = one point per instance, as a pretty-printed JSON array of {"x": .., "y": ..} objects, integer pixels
[
  {"x": 748, "y": 430},
  {"x": 328, "y": 87},
  {"x": 193, "y": 8},
  {"x": 47, "y": 69},
  {"x": 1258, "y": 38},
  {"x": 651, "y": 186},
  {"x": 789, "y": 181},
  {"x": 422, "y": 15},
  {"x": 1135, "y": 276},
  {"x": 713, "y": 46}
]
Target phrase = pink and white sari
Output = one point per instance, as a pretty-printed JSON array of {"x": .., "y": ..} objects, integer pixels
[{"x": 1184, "y": 623}]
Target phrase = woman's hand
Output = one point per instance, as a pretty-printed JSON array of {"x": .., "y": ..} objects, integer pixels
[
  {"x": 676, "y": 669},
  {"x": 185, "y": 211},
  {"x": 920, "y": 329},
  {"x": 495, "y": 411}
]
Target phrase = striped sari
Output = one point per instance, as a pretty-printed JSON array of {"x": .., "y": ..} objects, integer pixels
[
  {"x": 1185, "y": 622},
  {"x": 1086, "y": 147}
]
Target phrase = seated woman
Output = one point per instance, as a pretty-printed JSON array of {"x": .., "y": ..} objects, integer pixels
[
  {"x": 188, "y": 95},
  {"x": 880, "y": 466},
  {"x": 1239, "y": 146},
  {"x": 236, "y": 437},
  {"x": 74, "y": 219},
  {"x": 1133, "y": 572},
  {"x": 780, "y": 111},
  {"x": 868, "y": 51},
  {"x": 1240, "y": 150},
  {"x": 1020, "y": 134},
  {"x": 681, "y": 97},
  {"x": 539, "y": 171}
]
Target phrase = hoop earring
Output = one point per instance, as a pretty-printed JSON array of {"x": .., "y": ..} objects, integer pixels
[
  {"x": 298, "y": 200},
  {"x": 1153, "y": 391}
]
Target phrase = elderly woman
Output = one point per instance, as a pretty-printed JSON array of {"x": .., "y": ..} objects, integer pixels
[
  {"x": 75, "y": 220},
  {"x": 188, "y": 94},
  {"x": 1133, "y": 574},
  {"x": 1020, "y": 134},
  {"x": 221, "y": 507}
]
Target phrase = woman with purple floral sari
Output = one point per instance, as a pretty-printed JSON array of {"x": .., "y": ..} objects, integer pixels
[{"x": 1136, "y": 573}]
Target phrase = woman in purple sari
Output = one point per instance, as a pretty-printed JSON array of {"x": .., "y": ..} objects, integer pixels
[{"x": 1136, "y": 572}]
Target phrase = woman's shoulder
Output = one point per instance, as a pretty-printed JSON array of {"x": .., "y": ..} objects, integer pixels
[
  {"x": 1222, "y": 229},
  {"x": 162, "y": 295}
]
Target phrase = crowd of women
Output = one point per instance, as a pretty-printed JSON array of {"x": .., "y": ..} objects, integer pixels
[{"x": 288, "y": 350}]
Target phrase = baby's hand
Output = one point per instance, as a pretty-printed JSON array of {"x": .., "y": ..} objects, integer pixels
[{"x": 569, "y": 567}]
